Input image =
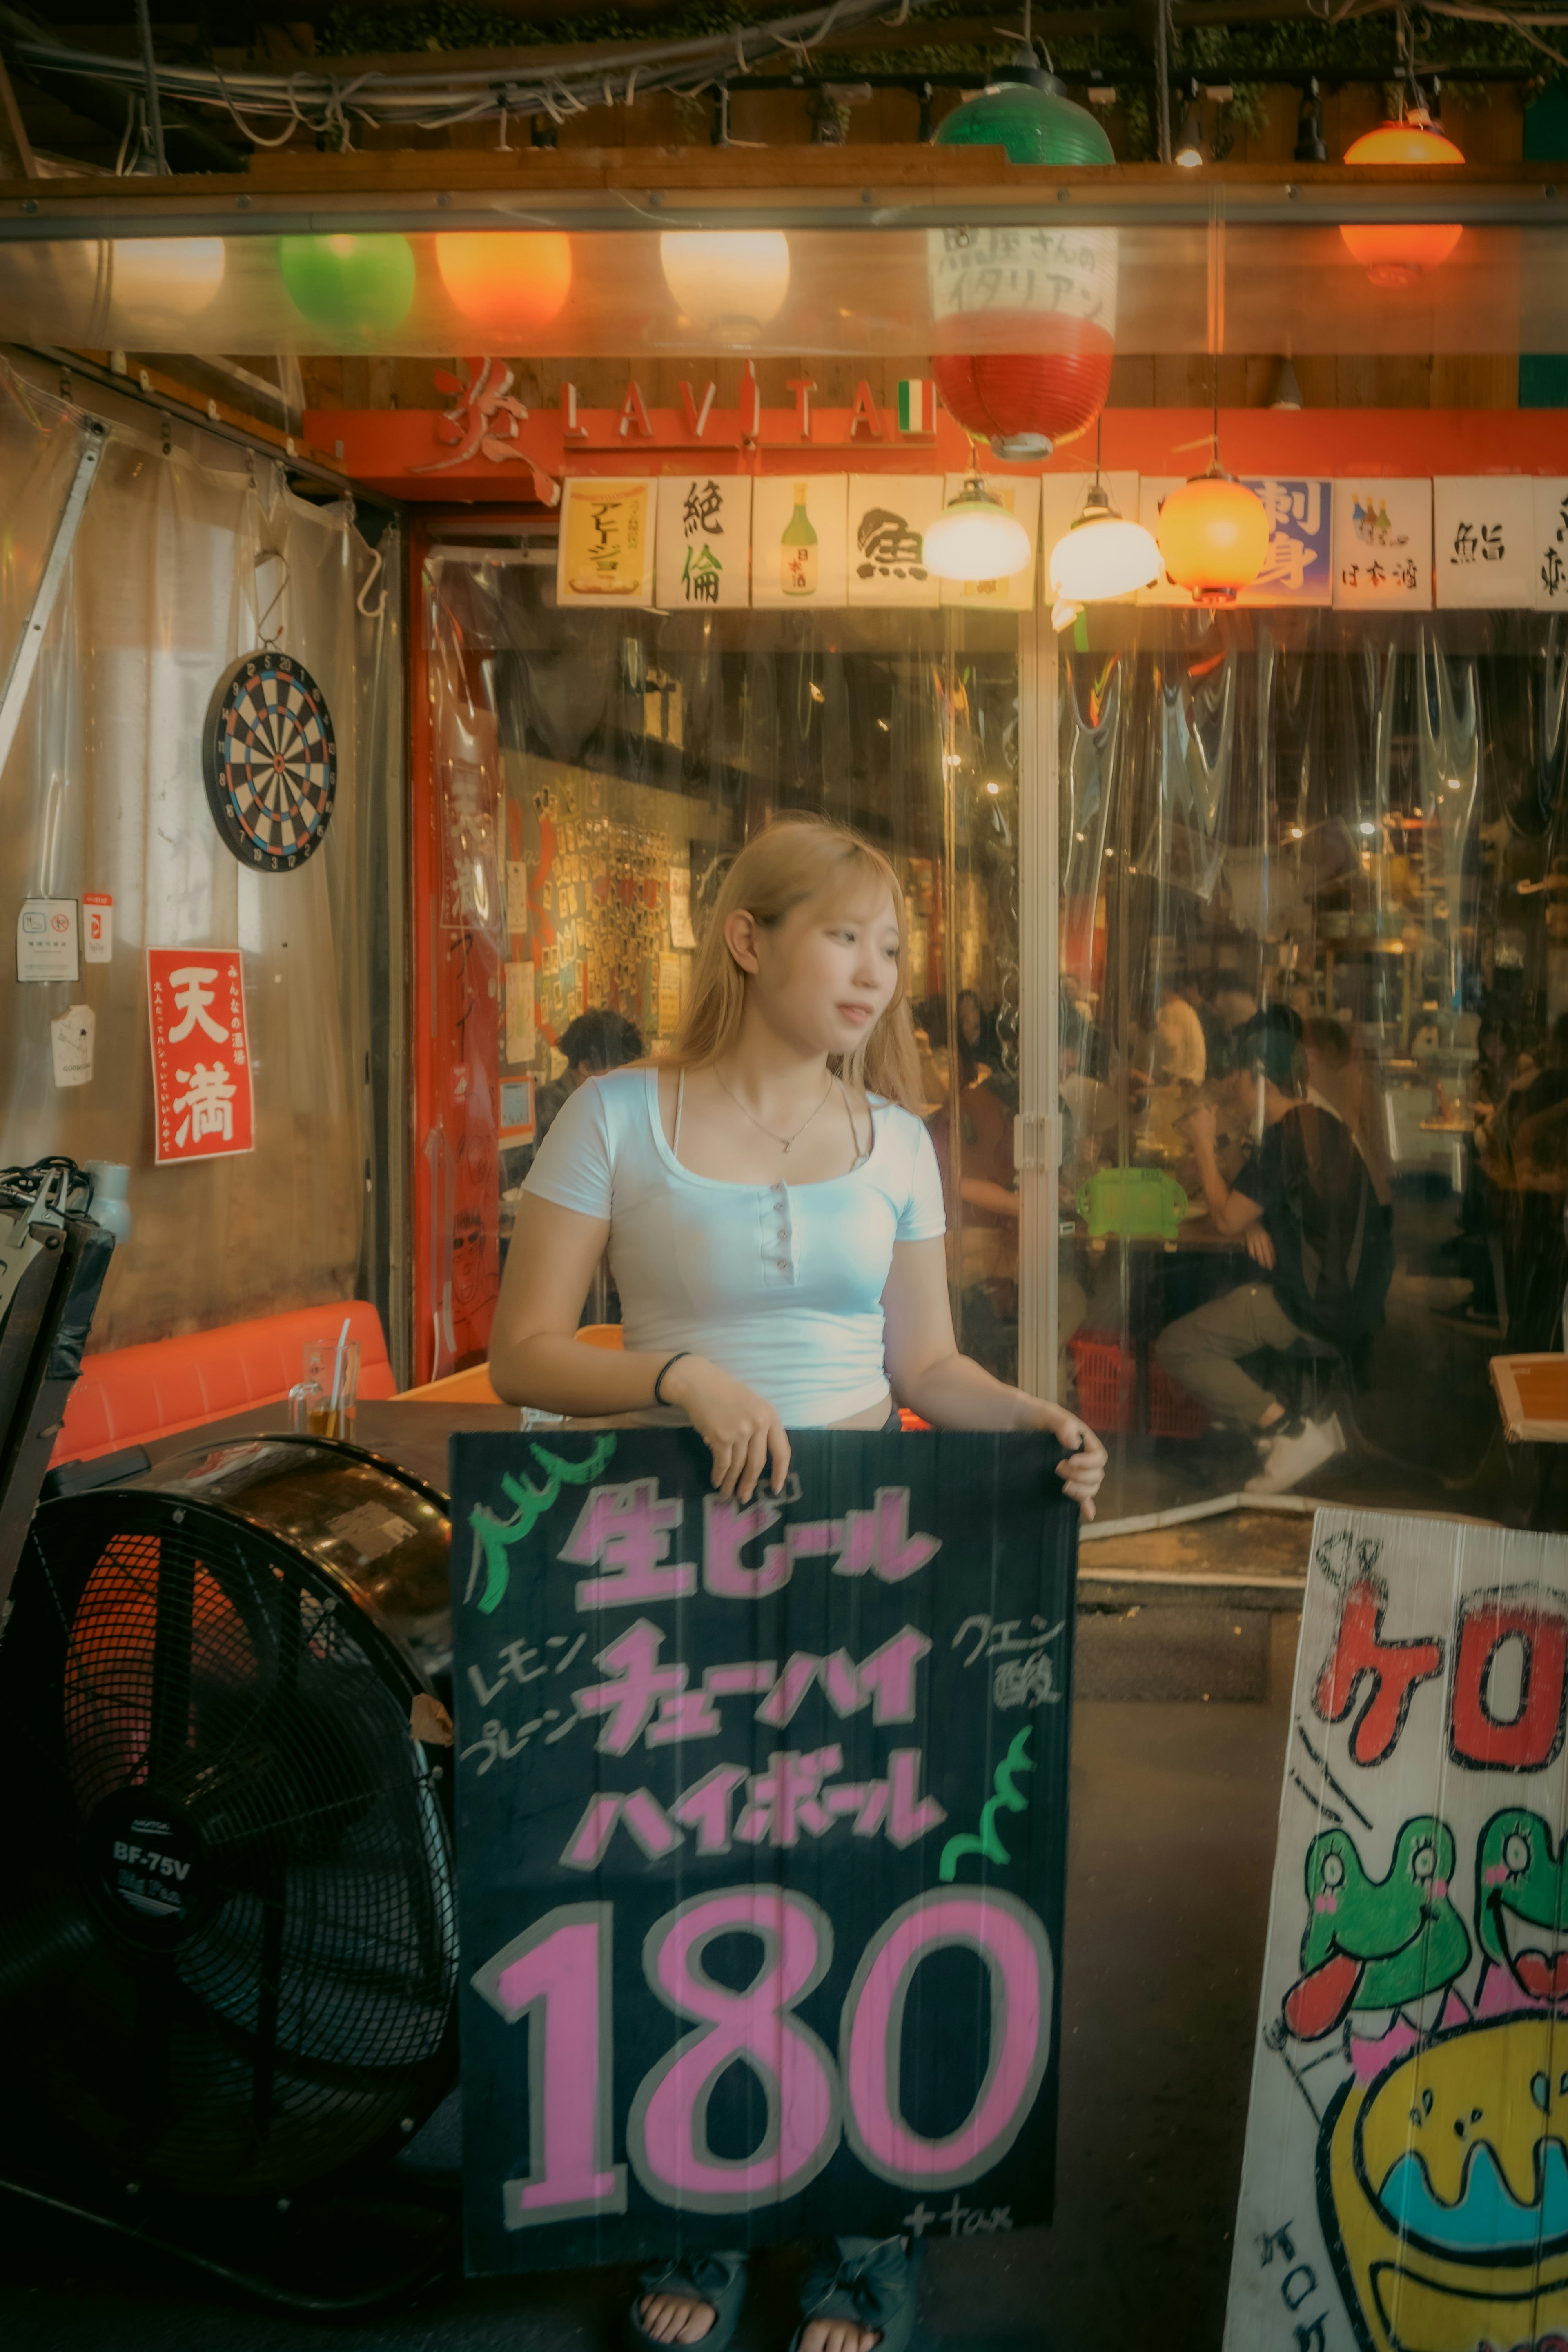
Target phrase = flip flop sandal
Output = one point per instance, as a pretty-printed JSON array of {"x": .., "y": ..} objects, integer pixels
[
  {"x": 872, "y": 2283},
  {"x": 715, "y": 2279}
]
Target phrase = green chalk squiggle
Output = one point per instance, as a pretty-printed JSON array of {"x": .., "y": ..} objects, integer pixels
[
  {"x": 989, "y": 1842},
  {"x": 493, "y": 1537}
]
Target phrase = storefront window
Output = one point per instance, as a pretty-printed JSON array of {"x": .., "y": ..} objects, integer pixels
[
  {"x": 1315, "y": 900},
  {"x": 594, "y": 774}
]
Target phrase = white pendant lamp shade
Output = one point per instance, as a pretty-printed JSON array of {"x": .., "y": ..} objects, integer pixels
[
  {"x": 173, "y": 278},
  {"x": 729, "y": 282},
  {"x": 1102, "y": 556},
  {"x": 975, "y": 537}
]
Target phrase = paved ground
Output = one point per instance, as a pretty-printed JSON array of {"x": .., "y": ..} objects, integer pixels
[{"x": 1174, "y": 1804}]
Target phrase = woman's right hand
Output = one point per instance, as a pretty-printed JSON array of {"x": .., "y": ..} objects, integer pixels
[{"x": 740, "y": 1428}]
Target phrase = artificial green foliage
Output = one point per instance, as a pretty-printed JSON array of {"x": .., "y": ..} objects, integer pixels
[
  {"x": 1246, "y": 57},
  {"x": 433, "y": 25}
]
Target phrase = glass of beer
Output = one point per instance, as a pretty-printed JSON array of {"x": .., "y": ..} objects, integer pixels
[{"x": 324, "y": 1400}]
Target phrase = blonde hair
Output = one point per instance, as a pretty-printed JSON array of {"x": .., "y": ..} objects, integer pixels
[{"x": 789, "y": 861}]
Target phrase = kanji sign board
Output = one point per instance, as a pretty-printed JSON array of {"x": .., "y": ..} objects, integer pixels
[
  {"x": 200, "y": 1052},
  {"x": 1405, "y": 2181},
  {"x": 761, "y": 1829}
]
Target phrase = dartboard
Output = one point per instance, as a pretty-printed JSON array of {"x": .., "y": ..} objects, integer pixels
[{"x": 269, "y": 760}]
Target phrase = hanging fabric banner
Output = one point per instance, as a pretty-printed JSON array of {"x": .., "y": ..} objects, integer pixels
[
  {"x": 1405, "y": 2181},
  {"x": 200, "y": 1052},
  {"x": 761, "y": 1819}
]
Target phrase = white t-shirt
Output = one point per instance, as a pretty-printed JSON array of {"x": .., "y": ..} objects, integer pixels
[{"x": 781, "y": 1284}]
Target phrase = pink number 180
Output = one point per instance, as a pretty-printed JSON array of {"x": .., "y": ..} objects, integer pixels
[{"x": 558, "y": 1977}]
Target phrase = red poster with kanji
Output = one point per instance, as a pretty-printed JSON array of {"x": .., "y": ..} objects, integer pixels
[{"x": 200, "y": 1052}]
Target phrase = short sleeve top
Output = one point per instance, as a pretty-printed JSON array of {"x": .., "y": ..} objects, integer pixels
[{"x": 781, "y": 1284}]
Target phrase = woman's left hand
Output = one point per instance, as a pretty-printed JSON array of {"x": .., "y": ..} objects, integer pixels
[{"x": 1082, "y": 1467}]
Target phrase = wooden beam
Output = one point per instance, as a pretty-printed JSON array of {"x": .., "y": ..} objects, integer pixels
[
  {"x": 17, "y": 161},
  {"x": 772, "y": 172}
]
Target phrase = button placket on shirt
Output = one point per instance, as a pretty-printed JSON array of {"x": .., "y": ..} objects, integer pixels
[{"x": 778, "y": 1236}]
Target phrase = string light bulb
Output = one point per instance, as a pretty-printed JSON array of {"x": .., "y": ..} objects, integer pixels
[{"x": 730, "y": 283}]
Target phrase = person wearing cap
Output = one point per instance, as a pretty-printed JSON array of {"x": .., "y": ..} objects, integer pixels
[{"x": 1308, "y": 1213}]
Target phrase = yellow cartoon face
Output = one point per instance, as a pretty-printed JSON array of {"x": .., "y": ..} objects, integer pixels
[{"x": 1444, "y": 2186}]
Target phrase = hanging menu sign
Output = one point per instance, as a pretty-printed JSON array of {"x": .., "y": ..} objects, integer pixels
[
  {"x": 1483, "y": 542},
  {"x": 606, "y": 543},
  {"x": 1551, "y": 545},
  {"x": 1298, "y": 566},
  {"x": 890, "y": 515},
  {"x": 704, "y": 542},
  {"x": 762, "y": 1825},
  {"x": 1382, "y": 545},
  {"x": 799, "y": 539}
]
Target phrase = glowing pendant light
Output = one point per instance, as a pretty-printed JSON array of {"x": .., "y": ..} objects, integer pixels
[
  {"x": 1214, "y": 531},
  {"x": 1052, "y": 296},
  {"x": 729, "y": 283},
  {"x": 1214, "y": 536},
  {"x": 361, "y": 286},
  {"x": 511, "y": 282},
  {"x": 975, "y": 537},
  {"x": 154, "y": 279},
  {"x": 1100, "y": 557},
  {"x": 1396, "y": 254}
]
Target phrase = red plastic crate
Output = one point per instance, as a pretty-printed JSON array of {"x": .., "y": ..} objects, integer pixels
[
  {"x": 1172, "y": 1412},
  {"x": 1107, "y": 1381}
]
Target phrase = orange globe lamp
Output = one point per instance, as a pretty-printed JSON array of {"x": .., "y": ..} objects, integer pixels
[
  {"x": 1397, "y": 254},
  {"x": 1214, "y": 536},
  {"x": 509, "y": 282}
]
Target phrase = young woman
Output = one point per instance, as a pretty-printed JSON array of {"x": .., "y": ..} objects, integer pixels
[{"x": 773, "y": 1215}]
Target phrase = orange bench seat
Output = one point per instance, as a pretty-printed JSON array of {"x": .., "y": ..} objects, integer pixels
[{"x": 129, "y": 1396}]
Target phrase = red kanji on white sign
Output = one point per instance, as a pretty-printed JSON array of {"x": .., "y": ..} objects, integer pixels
[{"x": 200, "y": 1052}]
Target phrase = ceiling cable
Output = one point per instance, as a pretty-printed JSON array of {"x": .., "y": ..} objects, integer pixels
[{"x": 321, "y": 103}]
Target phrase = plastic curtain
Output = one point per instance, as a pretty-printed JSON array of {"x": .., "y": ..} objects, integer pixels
[
  {"x": 1362, "y": 832},
  {"x": 179, "y": 553},
  {"x": 585, "y": 757}
]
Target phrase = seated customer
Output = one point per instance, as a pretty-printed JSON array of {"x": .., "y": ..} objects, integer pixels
[
  {"x": 597, "y": 1041},
  {"x": 1315, "y": 1227}
]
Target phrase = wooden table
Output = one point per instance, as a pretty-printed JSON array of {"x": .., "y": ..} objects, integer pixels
[
  {"x": 1532, "y": 1397},
  {"x": 410, "y": 1433}
]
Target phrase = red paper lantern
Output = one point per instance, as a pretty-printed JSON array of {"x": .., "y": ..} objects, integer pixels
[
  {"x": 510, "y": 282},
  {"x": 1010, "y": 395},
  {"x": 1045, "y": 295},
  {"x": 1396, "y": 254}
]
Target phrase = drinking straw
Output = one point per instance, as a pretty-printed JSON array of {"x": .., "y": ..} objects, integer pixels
[{"x": 338, "y": 1361}]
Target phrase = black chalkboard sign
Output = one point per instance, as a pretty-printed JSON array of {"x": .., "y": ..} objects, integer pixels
[{"x": 761, "y": 1830}]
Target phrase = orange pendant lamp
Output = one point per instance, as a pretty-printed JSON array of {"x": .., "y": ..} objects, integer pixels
[
  {"x": 1214, "y": 531},
  {"x": 508, "y": 282},
  {"x": 1396, "y": 254}
]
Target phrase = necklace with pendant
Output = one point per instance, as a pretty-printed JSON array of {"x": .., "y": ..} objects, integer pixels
[{"x": 784, "y": 1141}]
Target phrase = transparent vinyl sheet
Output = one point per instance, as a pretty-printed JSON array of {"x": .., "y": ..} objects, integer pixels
[
  {"x": 1355, "y": 834},
  {"x": 607, "y": 766},
  {"x": 103, "y": 793}
]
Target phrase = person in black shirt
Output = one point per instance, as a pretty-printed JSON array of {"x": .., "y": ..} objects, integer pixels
[
  {"x": 1314, "y": 1225},
  {"x": 597, "y": 1040}
]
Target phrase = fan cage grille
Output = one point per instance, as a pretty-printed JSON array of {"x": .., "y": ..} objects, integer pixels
[{"x": 310, "y": 2003}]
